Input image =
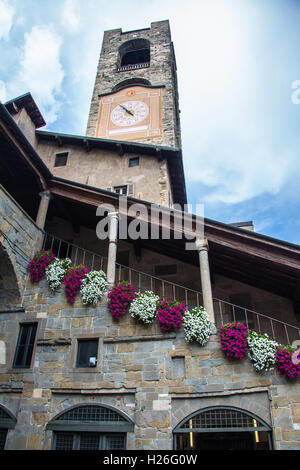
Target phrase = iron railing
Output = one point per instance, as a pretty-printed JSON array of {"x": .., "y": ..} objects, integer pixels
[
  {"x": 224, "y": 311},
  {"x": 77, "y": 254},
  {"x": 123, "y": 68}
]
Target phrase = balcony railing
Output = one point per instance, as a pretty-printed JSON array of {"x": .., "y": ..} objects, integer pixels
[
  {"x": 77, "y": 254},
  {"x": 225, "y": 312},
  {"x": 123, "y": 68}
]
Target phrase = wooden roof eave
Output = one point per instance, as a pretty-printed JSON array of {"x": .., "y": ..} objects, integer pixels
[{"x": 239, "y": 243}]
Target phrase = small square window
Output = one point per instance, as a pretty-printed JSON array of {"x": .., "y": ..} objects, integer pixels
[
  {"x": 134, "y": 161},
  {"x": 122, "y": 190},
  {"x": 61, "y": 159},
  {"x": 25, "y": 344},
  {"x": 87, "y": 353}
]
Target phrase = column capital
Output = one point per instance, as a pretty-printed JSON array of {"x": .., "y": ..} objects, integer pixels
[
  {"x": 45, "y": 194},
  {"x": 113, "y": 215},
  {"x": 202, "y": 244}
]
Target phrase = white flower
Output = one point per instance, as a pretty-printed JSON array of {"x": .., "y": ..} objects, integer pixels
[
  {"x": 144, "y": 306},
  {"x": 262, "y": 351},
  {"x": 197, "y": 325},
  {"x": 93, "y": 287},
  {"x": 56, "y": 271}
]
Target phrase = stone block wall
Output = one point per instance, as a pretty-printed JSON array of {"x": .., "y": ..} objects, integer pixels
[
  {"x": 162, "y": 71},
  {"x": 105, "y": 169},
  {"x": 156, "y": 379},
  {"x": 19, "y": 239}
]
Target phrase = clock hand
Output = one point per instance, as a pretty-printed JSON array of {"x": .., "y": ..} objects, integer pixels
[{"x": 127, "y": 110}]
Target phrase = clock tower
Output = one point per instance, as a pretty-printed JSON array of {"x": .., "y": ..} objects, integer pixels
[{"x": 135, "y": 95}]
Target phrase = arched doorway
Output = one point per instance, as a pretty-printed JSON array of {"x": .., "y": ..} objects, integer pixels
[
  {"x": 7, "y": 421},
  {"x": 90, "y": 427},
  {"x": 222, "y": 428}
]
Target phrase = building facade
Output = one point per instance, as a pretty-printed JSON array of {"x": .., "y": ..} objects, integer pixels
[{"x": 144, "y": 389}]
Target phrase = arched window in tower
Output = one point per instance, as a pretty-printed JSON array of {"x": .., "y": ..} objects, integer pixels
[
  {"x": 134, "y": 54},
  {"x": 90, "y": 427}
]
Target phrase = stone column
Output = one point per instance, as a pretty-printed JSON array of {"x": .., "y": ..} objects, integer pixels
[
  {"x": 43, "y": 208},
  {"x": 112, "y": 248},
  {"x": 202, "y": 247}
]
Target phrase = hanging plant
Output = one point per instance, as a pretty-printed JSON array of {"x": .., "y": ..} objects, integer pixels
[
  {"x": 38, "y": 265},
  {"x": 197, "y": 325},
  {"x": 233, "y": 339},
  {"x": 73, "y": 280},
  {"x": 170, "y": 314},
  {"x": 262, "y": 351},
  {"x": 56, "y": 271},
  {"x": 120, "y": 296},
  {"x": 93, "y": 287},
  {"x": 144, "y": 306},
  {"x": 284, "y": 362}
]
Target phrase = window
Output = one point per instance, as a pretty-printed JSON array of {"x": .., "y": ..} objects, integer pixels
[
  {"x": 222, "y": 428},
  {"x": 134, "y": 162},
  {"x": 61, "y": 159},
  {"x": 25, "y": 345},
  {"x": 90, "y": 427},
  {"x": 88, "y": 441},
  {"x": 87, "y": 353},
  {"x": 135, "y": 51},
  {"x": 122, "y": 190}
]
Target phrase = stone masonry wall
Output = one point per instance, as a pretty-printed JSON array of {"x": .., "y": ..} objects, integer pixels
[
  {"x": 161, "y": 72},
  {"x": 156, "y": 379},
  {"x": 104, "y": 169},
  {"x": 19, "y": 239}
]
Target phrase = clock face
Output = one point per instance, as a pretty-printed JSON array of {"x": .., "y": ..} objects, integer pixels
[
  {"x": 133, "y": 113},
  {"x": 129, "y": 113}
]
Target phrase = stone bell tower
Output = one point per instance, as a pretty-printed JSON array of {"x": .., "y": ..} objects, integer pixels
[{"x": 135, "y": 95}]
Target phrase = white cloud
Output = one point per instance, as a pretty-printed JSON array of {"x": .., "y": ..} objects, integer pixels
[
  {"x": 41, "y": 70},
  {"x": 6, "y": 19},
  {"x": 70, "y": 16}
]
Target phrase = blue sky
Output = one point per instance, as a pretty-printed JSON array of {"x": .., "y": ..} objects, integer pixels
[{"x": 237, "y": 61}]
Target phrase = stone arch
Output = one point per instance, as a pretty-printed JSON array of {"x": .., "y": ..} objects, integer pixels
[
  {"x": 10, "y": 295},
  {"x": 7, "y": 422},
  {"x": 90, "y": 426},
  {"x": 131, "y": 82},
  {"x": 134, "y": 51},
  {"x": 222, "y": 427},
  {"x": 115, "y": 414},
  {"x": 256, "y": 403}
]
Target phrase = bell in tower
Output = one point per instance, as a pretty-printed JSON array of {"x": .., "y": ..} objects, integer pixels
[{"x": 135, "y": 95}]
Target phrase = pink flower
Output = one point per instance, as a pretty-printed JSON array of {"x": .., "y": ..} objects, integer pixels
[
  {"x": 121, "y": 296},
  {"x": 284, "y": 363},
  {"x": 73, "y": 280},
  {"x": 38, "y": 265},
  {"x": 170, "y": 314},
  {"x": 233, "y": 339}
]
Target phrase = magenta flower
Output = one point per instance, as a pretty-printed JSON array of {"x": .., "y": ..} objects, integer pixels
[
  {"x": 233, "y": 339},
  {"x": 170, "y": 314},
  {"x": 120, "y": 296},
  {"x": 286, "y": 367},
  {"x": 38, "y": 265},
  {"x": 73, "y": 280}
]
